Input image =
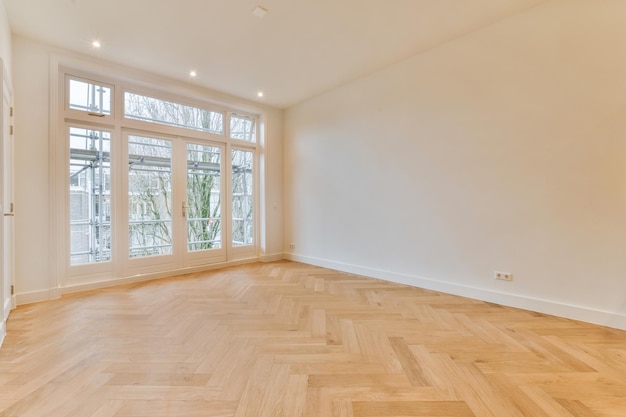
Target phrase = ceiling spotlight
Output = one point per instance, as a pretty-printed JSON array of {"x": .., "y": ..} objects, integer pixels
[
  {"x": 259, "y": 94},
  {"x": 193, "y": 73},
  {"x": 259, "y": 12},
  {"x": 96, "y": 44}
]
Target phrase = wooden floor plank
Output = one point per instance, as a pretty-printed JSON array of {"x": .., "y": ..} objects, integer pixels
[{"x": 284, "y": 339}]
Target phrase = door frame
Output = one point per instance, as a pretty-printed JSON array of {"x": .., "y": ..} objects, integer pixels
[{"x": 7, "y": 238}]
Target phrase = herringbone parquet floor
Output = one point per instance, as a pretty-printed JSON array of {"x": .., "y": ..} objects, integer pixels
[{"x": 290, "y": 340}]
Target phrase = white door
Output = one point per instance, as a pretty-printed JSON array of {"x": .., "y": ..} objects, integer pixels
[
  {"x": 202, "y": 204},
  {"x": 174, "y": 190},
  {"x": 6, "y": 204}
]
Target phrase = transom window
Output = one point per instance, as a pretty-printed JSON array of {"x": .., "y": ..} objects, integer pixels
[
  {"x": 89, "y": 96},
  {"x": 155, "y": 110},
  {"x": 243, "y": 127}
]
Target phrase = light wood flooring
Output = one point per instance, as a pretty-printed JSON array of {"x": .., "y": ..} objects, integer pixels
[{"x": 288, "y": 340}]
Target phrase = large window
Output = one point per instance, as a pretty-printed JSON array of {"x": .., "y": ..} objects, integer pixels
[
  {"x": 150, "y": 188},
  {"x": 89, "y": 195},
  {"x": 242, "y": 203},
  {"x": 149, "y": 196},
  {"x": 204, "y": 204}
]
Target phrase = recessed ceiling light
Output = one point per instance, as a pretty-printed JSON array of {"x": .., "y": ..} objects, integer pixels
[
  {"x": 259, "y": 12},
  {"x": 259, "y": 94},
  {"x": 193, "y": 73},
  {"x": 96, "y": 43}
]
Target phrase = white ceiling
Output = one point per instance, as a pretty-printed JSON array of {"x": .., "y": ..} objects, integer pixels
[{"x": 299, "y": 49}]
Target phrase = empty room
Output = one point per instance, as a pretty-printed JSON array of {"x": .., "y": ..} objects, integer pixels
[{"x": 304, "y": 208}]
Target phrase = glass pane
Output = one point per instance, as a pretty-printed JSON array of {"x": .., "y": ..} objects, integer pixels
[
  {"x": 204, "y": 216},
  {"x": 242, "y": 203},
  {"x": 242, "y": 127},
  {"x": 90, "y": 97},
  {"x": 149, "y": 196},
  {"x": 150, "y": 109},
  {"x": 90, "y": 196}
]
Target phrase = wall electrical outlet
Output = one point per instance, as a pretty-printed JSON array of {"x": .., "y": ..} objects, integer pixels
[
  {"x": 503, "y": 276},
  {"x": 292, "y": 246}
]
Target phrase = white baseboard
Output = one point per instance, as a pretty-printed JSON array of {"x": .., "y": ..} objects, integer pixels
[
  {"x": 68, "y": 289},
  {"x": 272, "y": 257},
  {"x": 37, "y": 296},
  {"x": 3, "y": 331},
  {"x": 52, "y": 294},
  {"x": 586, "y": 314},
  {"x": 7, "y": 307}
]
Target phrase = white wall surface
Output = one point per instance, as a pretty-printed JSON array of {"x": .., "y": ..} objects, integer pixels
[
  {"x": 5, "y": 38},
  {"x": 32, "y": 77},
  {"x": 501, "y": 150},
  {"x": 32, "y": 251}
]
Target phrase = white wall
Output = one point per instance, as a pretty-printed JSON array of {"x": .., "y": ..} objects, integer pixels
[
  {"x": 5, "y": 38},
  {"x": 502, "y": 150},
  {"x": 33, "y": 253},
  {"x": 32, "y": 249}
]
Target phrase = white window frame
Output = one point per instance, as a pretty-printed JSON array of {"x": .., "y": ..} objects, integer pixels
[
  {"x": 107, "y": 118},
  {"x": 121, "y": 268}
]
